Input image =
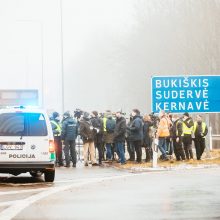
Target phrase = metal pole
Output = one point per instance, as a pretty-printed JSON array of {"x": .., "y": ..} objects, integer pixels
[
  {"x": 61, "y": 47},
  {"x": 207, "y": 121}
]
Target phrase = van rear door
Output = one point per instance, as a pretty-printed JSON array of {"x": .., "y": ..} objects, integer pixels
[{"x": 12, "y": 143}]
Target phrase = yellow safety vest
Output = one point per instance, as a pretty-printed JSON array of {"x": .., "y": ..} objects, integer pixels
[
  {"x": 187, "y": 130},
  {"x": 58, "y": 127},
  {"x": 203, "y": 127},
  {"x": 104, "y": 124}
]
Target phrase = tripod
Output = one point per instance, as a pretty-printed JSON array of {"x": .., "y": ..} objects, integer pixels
[{"x": 78, "y": 152}]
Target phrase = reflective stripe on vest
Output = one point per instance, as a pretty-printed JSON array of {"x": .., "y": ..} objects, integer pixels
[
  {"x": 58, "y": 128},
  {"x": 104, "y": 124},
  {"x": 203, "y": 127},
  {"x": 187, "y": 130}
]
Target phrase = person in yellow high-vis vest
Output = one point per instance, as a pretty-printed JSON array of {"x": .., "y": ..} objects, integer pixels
[
  {"x": 200, "y": 130},
  {"x": 187, "y": 135},
  {"x": 56, "y": 127}
]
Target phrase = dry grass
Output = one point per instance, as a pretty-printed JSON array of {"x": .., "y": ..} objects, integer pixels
[{"x": 213, "y": 159}]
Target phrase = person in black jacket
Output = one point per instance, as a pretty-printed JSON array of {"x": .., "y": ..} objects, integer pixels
[
  {"x": 87, "y": 133},
  {"x": 200, "y": 130},
  {"x": 69, "y": 134},
  {"x": 119, "y": 136},
  {"x": 148, "y": 137},
  {"x": 130, "y": 147},
  {"x": 97, "y": 125},
  {"x": 136, "y": 128},
  {"x": 177, "y": 136}
]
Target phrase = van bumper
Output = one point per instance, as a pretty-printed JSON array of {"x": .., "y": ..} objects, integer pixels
[{"x": 24, "y": 167}]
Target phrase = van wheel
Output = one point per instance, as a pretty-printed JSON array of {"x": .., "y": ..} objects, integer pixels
[
  {"x": 36, "y": 174},
  {"x": 49, "y": 176}
]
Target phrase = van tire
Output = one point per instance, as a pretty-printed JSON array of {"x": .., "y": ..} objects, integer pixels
[{"x": 49, "y": 176}]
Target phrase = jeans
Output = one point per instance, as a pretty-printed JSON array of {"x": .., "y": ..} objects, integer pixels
[
  {"x": 109, "y": 151},
  {"x": 70, "y": 149},
  {"x": 162, "y": 146},
  {"x": 121, "y": 152}
]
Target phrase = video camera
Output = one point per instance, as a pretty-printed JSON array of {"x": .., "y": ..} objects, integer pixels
[
  {"x": 155, "y": 119},
  {"x": 78, "y": 113}
]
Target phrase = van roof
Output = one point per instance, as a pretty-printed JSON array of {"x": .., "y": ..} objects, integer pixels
[{"x": 22, "y": 110}]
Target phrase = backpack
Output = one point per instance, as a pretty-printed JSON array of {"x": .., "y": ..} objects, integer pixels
[{"x": 110, "y": 125}]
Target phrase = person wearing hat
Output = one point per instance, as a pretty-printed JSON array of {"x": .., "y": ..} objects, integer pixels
[
  {"x": 119, "y": 136},
  {"x": 56, "y": 127},
  {"x": 200, "y": 130},
  {"x": 87, "y": 134},
  {"x": 136, "y": 133},
  {"x": 187, "y": 135},
  {"x": 97, "y": 125},
  {"x": 69, "y": 135}
]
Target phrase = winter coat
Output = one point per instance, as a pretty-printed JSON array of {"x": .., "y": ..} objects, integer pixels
[
  {"x": 147, "y": 134},
  {"x": 163, "y": 127},
  {"x": 136, "y": 129},
  {"x": 69, "y": 129},
  {"x": 120, "y": 130},
  {"x": 177, "y": 129},
  {"x": 98, "y": 133},
  {"x": 86, "y": 131},
  {"x": 108, "y": 136}
]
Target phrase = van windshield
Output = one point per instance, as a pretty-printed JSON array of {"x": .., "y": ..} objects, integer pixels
[{"x": 22, "y": 124}]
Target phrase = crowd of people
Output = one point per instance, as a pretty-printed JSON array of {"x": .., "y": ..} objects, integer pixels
[{"x": 114, "y": 137}]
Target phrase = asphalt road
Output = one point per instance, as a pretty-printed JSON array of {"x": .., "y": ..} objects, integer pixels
[{"x": 105, "y": 193}]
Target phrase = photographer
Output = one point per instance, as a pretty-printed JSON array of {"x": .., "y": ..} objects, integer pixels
[{"x": 200, "y": 131}]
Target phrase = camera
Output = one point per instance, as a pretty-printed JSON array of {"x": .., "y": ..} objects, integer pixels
[
  {"x": 78, "y": 113},
  {"x": 155, "y": 119}
]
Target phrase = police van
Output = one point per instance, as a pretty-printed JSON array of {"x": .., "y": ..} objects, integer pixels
[{"x": 26, "y": 143}]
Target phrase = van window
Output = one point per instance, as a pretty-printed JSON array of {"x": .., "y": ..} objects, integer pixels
[
  {"x": 12, "y": 124},
  {"x": 22, "y": 124},
  {"x": 36, "y": 125}
]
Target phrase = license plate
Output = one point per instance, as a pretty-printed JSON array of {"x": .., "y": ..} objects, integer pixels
[{"x": 11, "y": 147}]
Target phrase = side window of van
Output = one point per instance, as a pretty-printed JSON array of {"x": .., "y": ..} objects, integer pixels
[
  {"x": 12, "y": 124},
  {"x": 36, "y": 124}
]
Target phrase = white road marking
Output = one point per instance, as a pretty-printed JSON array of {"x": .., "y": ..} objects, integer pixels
[
  {"x": 22, "y": 191},
  {"x": 16, "y": 208}
]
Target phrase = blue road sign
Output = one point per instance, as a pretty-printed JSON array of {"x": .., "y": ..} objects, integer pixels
[{"x": 186, "y": 93}]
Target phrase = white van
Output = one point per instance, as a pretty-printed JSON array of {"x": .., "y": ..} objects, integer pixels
[{"x": 26, "y": 143}]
